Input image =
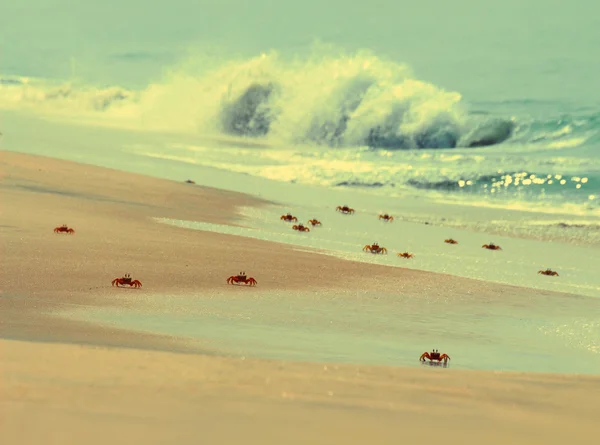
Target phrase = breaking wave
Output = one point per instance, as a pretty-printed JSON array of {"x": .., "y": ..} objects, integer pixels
[{"x": 331, "y": 100}]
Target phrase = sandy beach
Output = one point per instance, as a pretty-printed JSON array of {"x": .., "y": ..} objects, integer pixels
[{"x": 65, "y": 381}]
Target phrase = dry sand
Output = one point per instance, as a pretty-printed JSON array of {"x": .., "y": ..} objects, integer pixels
[
  {"x": 61, "y": 383},
  {"x": 69, "y": 394}
]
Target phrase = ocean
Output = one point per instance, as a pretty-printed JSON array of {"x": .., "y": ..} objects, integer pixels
[
  {"x": 469, "y": 110},
  {"x": 455, "y": 115}
]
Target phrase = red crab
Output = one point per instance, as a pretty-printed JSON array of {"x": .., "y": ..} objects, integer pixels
[
  {"x": 491, "y": 246},
  {"x": 345, "y": 209},
  {"x": 450, "y": 241},
  {"x": 126, "y": 280},
  {"x": 375, "y": 248},
  {"x": 434, "y": 355},
  {"x": 548, "y": 272},
  {"x": 242, "y": 278},
  {"x": 301, "y": 228},
  {"x": 386, "y": 217},
  {"x": 64, "y": 228},
  {"x": 314, "y": 222},
  {"x": 289, "y": 218},
  {"x": 405, "y": 255}
]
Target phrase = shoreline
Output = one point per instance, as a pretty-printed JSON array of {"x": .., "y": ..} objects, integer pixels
[
  {"x": 112, "y": 214},
  {"x": 139, "y": 153},
  {"x": 67, "y": 375}
]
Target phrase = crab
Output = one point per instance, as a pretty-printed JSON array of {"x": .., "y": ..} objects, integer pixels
[
  {"x": 314, "y": 222},
  {"x": 63, "y": 228},
  {"x": 189, "y": 181},
  {"x": 289, "y": 217},
  {"x": 491, "y": 246},
  {"x": 405, "y": 255},
  {"x": 374, "y": 248},
  {"x": 450, "y": 241},
  {"x": 549, "y": 272},
  {"x": 434, "y": 355},
  {"x": 301, "y": 228},
  {"x": 241, "y": 278},
  {"x": 386, "y": 217},
  {"x": 345, "y": 209},
  {"x": 126, "y": 279}
]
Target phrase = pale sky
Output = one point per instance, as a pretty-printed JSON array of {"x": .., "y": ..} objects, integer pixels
[{"x": 442, "y": 39}]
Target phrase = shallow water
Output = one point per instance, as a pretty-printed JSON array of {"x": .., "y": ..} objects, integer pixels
[
  {"x": 362, "y": 328},
  {"x": 344, "y": 236},
  {"x": 538, "y": 334}
]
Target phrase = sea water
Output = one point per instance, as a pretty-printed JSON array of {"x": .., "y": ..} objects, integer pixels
[
  {"x": 539, "y": 333},
  {"x": 462, "y": 119}
]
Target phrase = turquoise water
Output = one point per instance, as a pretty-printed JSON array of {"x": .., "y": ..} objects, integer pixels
[{"x": 396, "y": 99}]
